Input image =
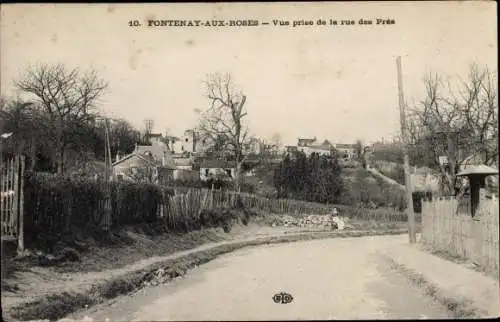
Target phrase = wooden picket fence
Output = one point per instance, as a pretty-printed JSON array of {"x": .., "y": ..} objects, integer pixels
[
  {"x": 447, "y": 225},
  {"x": 12, "y": 198},
  {"x": 189, "y": 201}
]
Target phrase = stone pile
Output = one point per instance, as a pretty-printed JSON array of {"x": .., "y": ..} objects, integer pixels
[
  {"x": 161, "y": 276},
  {"x": 323, "y": 221},
  {"x": 312, "y": 221}
]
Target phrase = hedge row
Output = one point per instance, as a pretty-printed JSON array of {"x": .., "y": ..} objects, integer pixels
[{"x": 55, "y": 205}]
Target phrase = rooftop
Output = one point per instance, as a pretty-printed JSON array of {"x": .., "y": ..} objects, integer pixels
[
  {"x": 478, "y": 169},
  {"x": 345, "y": 146},
  {"x": 157, "y": 152},
  {"x": 306, "y": 141}
]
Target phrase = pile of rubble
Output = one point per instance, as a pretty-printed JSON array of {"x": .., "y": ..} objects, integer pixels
[
  {"x": 313, "y": 221},
  {"x": 323, "y": 221},
  {"x": 162, "y": 275}
]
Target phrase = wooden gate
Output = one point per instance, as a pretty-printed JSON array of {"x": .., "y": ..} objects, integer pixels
[{"x": 11, "y": 199}]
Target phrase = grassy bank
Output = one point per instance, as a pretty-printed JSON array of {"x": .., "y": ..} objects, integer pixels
[{"x": 56, "y": 306}]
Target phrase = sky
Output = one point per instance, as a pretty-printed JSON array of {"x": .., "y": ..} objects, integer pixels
[{"x": 333, "y": 82}]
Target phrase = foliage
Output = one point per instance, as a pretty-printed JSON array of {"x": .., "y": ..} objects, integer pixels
[
  {"x": 363, "y": 189},
  {"x": 56, "y": 205},
  {"x": 314, "y": 178}
]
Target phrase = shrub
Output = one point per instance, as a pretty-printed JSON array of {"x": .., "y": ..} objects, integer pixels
[
  {"x": 366, "y": 190},
  {"x": 57, "y": 206}
]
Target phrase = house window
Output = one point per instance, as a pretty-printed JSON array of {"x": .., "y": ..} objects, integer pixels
[
  {"x": 207, "y": 172},
  {"x": 228, "y": 171},
  {"x": 187, "y": 140}
]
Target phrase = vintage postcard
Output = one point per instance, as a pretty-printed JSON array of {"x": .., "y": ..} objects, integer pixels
[{"x": 249, "y": 161}]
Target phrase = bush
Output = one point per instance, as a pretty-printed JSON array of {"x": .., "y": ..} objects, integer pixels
[
  {"x": 371, "y": 191},
  {"x": 56, "y": 206},
  {"x": 312, "y": 178}
]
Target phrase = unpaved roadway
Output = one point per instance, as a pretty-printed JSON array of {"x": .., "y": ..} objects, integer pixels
[{"x": 342, "y": 278}]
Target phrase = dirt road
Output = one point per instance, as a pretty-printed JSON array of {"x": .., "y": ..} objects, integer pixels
[{"x": 329, "y": 279}]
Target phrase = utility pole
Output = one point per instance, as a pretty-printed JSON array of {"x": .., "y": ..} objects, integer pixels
[
  {"x": 406, "y": 159},
  {"x": 107, "y": 174}
]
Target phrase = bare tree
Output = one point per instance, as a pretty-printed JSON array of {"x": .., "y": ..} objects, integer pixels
[
  {"x": 68, "y": 97},
  {"x": 123, "y": 136},
  {"x": 224, "y": 119},
  {"x": 458, "y": 122}
]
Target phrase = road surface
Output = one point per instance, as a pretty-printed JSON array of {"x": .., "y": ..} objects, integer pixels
[{"x": 341, "y": 278}]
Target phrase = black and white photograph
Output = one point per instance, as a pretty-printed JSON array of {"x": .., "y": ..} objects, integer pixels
[{"x": 249, "y": 161}]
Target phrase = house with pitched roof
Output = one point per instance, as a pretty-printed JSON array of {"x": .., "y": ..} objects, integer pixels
[
  {"x": 216, "y": 168},
  {"x": 311, "y": 145},
  {"x": 153, "y": 162},
  {"x": 346, "y": 151},
  {"x": 184, "y": 169}
]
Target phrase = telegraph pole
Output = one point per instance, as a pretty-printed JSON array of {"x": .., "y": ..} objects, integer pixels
[
  {"x": 409, "y": 197},
  {"x": 107, "y": 173}
]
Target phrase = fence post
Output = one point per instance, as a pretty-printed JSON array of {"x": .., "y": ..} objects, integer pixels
[
  {"x": 15, "y": 198},
  {"x": 20, "y": 190}
]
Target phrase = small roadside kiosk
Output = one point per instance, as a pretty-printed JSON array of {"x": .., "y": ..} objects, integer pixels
[
  {"x": 477, "y": 180},
  {"x": 476, "y": 175}
]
